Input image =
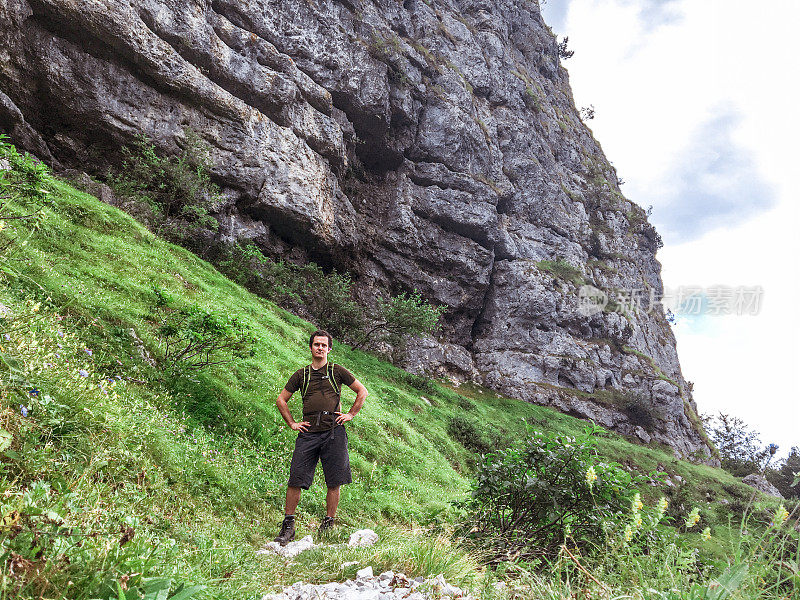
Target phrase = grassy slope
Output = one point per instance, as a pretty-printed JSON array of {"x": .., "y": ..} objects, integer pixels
[{"x": 217, "y": 489}]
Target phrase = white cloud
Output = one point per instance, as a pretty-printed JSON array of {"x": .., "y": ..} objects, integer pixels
[
  {"x": 657, "y": 73},
  {"x": 713, "y": 183}
]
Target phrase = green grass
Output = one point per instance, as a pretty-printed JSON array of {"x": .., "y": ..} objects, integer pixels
[
  {"x": 563, "y": 270},
  {"x": 197, "y": 465}
]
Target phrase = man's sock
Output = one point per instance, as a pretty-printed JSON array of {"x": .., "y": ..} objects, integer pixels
[{"x": 288, "y": 517}]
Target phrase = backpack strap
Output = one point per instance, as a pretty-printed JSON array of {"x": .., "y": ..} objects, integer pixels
[
  {"x": 332, "y": 378},
  {"x": 306, "y": 380}
]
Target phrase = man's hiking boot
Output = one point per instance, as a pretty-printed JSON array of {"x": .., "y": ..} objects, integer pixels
[
  {"x": 326, "y": 526},
  {"x": 287, "y": 532}
]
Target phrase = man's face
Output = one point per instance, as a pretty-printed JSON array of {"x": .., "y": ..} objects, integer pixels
[{"x": 320, "y": 348}]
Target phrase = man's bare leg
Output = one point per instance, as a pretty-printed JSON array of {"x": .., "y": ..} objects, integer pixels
[
  {"x": 293, "y": 499},
  {"x": 332, "y": 501}
]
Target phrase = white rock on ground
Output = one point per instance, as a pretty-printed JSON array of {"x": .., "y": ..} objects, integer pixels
[
  {"x": 289, "y": 550},
  {"x": 364, "y": 573},
  {"x": 386, "y": 586},
  {"x": 363, "y": 538}
]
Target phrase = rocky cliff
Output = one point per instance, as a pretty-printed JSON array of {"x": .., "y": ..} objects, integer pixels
[{"x": 428, "y": 144}]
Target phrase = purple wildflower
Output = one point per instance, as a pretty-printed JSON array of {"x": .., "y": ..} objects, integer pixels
[
  {"x": 34, "y": 392},
  {"x": 7, "y": 336},
  {"x": 89, "y": 352},
  {"x": 23, "y": 410},
  {"x": 83, "y": 373}
]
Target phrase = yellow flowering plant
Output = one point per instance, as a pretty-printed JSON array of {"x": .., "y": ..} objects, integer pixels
[
  {"x": 693, "y": 518},
  {"x": 528, "y": 498}
]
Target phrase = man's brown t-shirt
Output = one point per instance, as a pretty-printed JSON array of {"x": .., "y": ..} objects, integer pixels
[{"x": 320, "y": 395}]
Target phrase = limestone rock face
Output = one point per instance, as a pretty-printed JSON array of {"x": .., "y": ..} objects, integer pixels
[
  {"x": 428, "y": 145},
  {"x": 759, "y": 482}
]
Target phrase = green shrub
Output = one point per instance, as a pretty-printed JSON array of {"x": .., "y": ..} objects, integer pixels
[
  {"x": 328, "y": 298},
  {"x": 398, "y": 316},
  {"x": 528, "y": 497},
  {"x": 562, "y": 269},
  {"x": 274, "y": 280},
  {"x": 25, "y": 181},
  {"x": 175, "y": 186},
  {"x": 192, "y": 338},
  {"x": 325, "y": 297}
]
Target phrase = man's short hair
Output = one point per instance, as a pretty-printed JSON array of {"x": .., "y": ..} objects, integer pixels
[{"x": 320, "y": 333}]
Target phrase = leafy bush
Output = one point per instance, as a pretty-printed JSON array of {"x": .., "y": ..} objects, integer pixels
[
  {"x": 175, "y": 186},
  {"x": 529, "y": 497},
  {"x": 398, "y": 316},
  {"x": 275, "y": 280},
  {"x": 23, "y": 180},
  {"x": 325, "y": 297},
  {"x": 192, "y": 338},
  {"x": 328, "y": 298}
]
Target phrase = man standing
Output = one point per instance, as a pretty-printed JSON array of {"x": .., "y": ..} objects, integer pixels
[{"x": 321, "y": 433}]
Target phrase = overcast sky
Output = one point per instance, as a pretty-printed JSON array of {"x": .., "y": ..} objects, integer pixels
[{"x": 696, "y": 105}]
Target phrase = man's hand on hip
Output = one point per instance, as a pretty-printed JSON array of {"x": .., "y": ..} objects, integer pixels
[
  {"x": 343, "y": 418},
  {"x": 300, "y": 425}
]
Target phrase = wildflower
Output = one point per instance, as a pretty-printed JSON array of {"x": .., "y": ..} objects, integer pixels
[
  {"x": 693, "y": 518},
  {"x": 637, "y": 520},
  {"x": 23, "y": 410},
  {"x": 628, "y": 533},
  {"x": 7, "y": 336},
  {"x": 34, "y": 392},
  {"x": 61, "y": 334},
  {"x": 83, "y": 373},
  {"x": 706, "y": 535},
  {"x": 591, "y": 476},
  {"x": 661, "y": 507},
  {"x": 2, "y": 225},
  {"x": 637, "y": 504},
  {"x": 89, "y": 352},
  {"x": 780, "y": 516}
]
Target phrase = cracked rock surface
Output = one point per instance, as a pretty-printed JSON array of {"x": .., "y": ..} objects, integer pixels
[{"x": 417, "y": 145}]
